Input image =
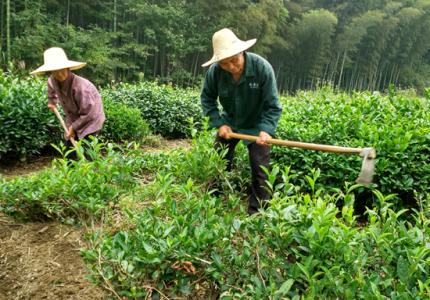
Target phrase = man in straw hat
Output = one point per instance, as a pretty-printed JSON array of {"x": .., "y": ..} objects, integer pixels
[
  {"x": 79, "y": 98},
  {"x": 245, "y": 85}
]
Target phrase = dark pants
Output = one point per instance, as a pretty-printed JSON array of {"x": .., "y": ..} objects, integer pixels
[
  {"x": 258, "y": 156},
  {"x": 69, "y": 146}
]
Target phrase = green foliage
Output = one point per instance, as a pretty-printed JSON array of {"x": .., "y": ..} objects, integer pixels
[
  {"x": 72, "y": 191},
  {"x": 169, "y": 236},
  {"x": 26, "y": 123},
  {"x": 303, "y": 246},
  {"x": 311, "y": 38},
  {"x": 354, "y": 45},
  {"x": 123, "y": 123},
  {"x": 167, "y": 110},
  {"x": 396, "y": 126}
]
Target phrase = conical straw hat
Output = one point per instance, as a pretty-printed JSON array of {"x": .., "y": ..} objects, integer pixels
[
  {"x": 226, "y": 44},
  {"x": 55, "y": 59}
]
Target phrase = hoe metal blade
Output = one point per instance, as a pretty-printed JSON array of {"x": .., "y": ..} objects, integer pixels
[{"x": 368, "y": 166}]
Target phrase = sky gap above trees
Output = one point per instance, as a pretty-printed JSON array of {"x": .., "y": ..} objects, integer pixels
[{"x": 353, "y": 45}]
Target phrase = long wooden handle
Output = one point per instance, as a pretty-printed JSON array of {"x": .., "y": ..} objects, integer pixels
[
  {"x": 60, "y": 118},
  {"x": 310, "y": 146}
]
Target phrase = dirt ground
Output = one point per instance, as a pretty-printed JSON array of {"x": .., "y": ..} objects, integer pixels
[
  {"x": 42, "y": 261},
  {"x": 18, "y": 168},
  {"x": 164, "y": 144}
]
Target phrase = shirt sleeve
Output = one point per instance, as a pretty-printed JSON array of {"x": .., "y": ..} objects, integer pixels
[
  {"x": 86, "y": 97},
  {"x": 52, "y": 95},
  {"x": 209, "y": 98},
  {"x": 272, "y": 107}
]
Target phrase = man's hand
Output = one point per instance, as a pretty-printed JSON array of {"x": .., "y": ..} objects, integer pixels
[
  {"x": 224, "y": 131},
  {"x": 263, "y": 138},
  {"x": 52, "y": 106},
  {"x": 71, "y": 133}
]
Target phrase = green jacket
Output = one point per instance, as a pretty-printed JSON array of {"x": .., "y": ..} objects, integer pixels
[{"x": 249, "y": 106}]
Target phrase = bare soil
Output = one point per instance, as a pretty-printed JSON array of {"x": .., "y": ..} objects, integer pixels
[
  {"x": 19, "y": 168},
  {"x": 42, "y": 261},
  {"x": 165, "y": 144}
]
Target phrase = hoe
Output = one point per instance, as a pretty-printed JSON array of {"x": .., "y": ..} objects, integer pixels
[
  {"x": 369, "y": 154},
  {"x": 72, "y": 140}
]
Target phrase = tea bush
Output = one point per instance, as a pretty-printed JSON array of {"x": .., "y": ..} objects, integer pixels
[
  {"x": 72, "y": 191},
  {"x": 26, "y": 124},
  {"x": 305, "y": 246},
  {"x": 123, "y": 123},
  {"x": 170, "y": 235},
  {"x": 188, "y": 243},
  {"x": 166, "y": 109},
  {"x": 395, "y": 125}
]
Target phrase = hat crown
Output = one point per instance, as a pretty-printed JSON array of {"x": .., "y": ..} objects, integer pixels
[
  {"x": 56, "y": 59},
  {"x": 226, "y": 44},
  {"x": 55, "y": 56},
  {"x": 224, "y": 40}
]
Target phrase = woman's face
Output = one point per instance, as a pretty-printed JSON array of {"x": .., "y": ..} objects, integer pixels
[
  {"x": 60, "y": 75},
  {"x": 234, "y": 64}
]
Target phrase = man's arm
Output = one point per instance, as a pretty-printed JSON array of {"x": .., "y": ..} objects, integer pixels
[
  {"x": 272, "y": 107},
  {"x": 208, "y": 99}
]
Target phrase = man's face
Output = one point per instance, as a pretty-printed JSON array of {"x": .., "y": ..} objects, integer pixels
[
  {"x": 233, "y": 64},
  {"x": 60, "y": 75}
]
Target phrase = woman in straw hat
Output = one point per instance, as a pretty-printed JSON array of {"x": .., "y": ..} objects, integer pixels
[
  {"x": 245, "y": 85},
  {"x": 79, "y": 98}
]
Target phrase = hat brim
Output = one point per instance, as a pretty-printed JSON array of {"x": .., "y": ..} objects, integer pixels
[
  {"x": 72, "y": 65},
  {"x": 232, "y": 52}
]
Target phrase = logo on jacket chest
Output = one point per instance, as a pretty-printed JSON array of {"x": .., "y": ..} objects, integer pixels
[{"x": 254, "y": 85}]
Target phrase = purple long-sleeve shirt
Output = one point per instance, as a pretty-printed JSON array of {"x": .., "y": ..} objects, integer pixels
[{"x": 81, "y": 102}]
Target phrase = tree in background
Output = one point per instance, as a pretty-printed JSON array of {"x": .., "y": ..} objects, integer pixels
[
  {"x": 351, "y": 45},
  {"x": 308, "y": 52}
]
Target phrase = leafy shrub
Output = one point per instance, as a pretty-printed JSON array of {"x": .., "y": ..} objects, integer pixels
[
  {"x": 26, "y": 124},
  {"x": 72, "y": 191},
  {"x": 395, "y": 125},
  {"x": 172, "y": 237},
  {"x": 123, "y": 123},
  {"x": 305, "y": 246},
  {"x": 166, "y": 109},
  {"x": 186, "y": 243}
]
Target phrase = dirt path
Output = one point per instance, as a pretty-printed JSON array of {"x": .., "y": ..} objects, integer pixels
[
  {"x": 42, "y": 261},
  {"x": 17, "y": 168}
]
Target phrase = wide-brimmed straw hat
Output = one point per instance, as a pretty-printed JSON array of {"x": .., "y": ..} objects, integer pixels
[
  {"x": 55, "y": 59},
  {"x": 226, "y": 44}
]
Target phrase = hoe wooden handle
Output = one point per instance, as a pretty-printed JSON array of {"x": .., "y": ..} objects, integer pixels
[
  {"x": 60, "y": 118},
  {"x": 310, "y": 146}
]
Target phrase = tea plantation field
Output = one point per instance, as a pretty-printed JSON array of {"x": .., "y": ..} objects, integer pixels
[{"x": 172, "y": 224}]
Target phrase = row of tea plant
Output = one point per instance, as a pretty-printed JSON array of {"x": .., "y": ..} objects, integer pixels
[{"x": 160, "y": 227}]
